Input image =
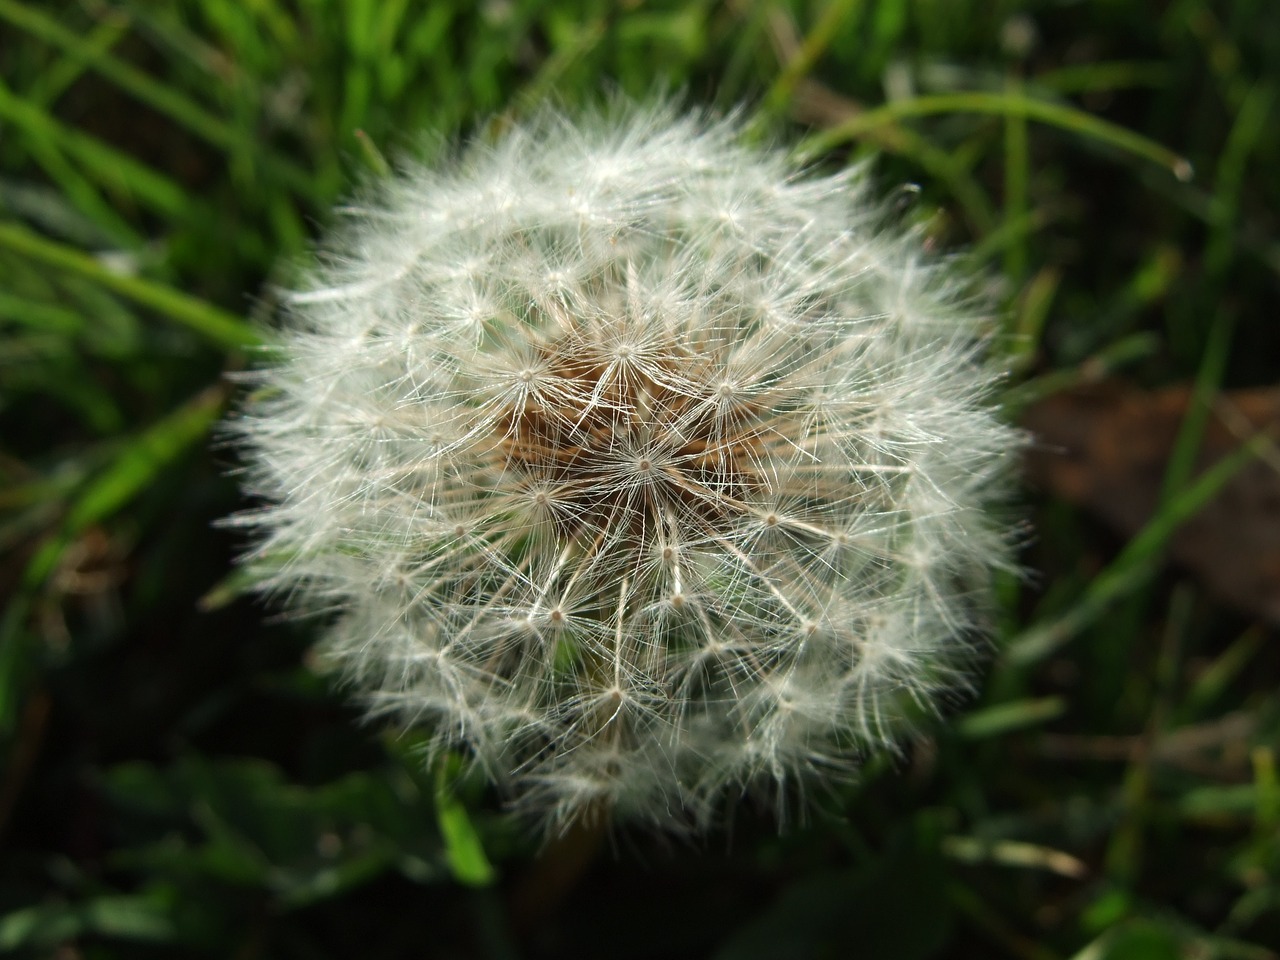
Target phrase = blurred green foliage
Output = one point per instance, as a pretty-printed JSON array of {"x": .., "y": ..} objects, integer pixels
[{"x": 176, "y": 781}]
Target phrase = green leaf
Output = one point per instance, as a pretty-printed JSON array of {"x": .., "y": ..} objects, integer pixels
[
  {"x": 894, "y": 908},
  {"x": 462, "y": 845},
  {"x": 241, "y": 823}
]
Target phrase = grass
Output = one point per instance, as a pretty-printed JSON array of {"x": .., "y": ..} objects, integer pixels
[{"x": 176, "y": 781}]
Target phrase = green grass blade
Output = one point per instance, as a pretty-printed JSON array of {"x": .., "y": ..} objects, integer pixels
[
  {"x": 1248, "y": 133},
  {"x": 216, "y": 325},
  {"x": 16, "y": 665},
  {"x": 1134, "y": 564},
  {"x": 1013, "y": 853},
  {"x": 1217, "y": 676},
  {"x": 1001, "y": 104},
  {"x": 131, "y": 471},
  {"x": 1096, "y": 77},
  {"x": 164, "y": 99},
  {"x": 811, "y": 50},
  {"x": 117, "y": 171},
  {"x": 573, "y": 48},
  {"x": 939, "y": 163},
  {"x": 1191, "y": 432},
  {"x": 47, "y": 317},
  {"x": 55, "y": 81},
  {"x": 84, "y": 197},
  {"x": 1004, "y": 718},
  {"x": 1017, "y": 180}
]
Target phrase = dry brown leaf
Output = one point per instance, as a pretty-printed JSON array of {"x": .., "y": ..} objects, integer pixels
[{"x": 1106, "y": 447}]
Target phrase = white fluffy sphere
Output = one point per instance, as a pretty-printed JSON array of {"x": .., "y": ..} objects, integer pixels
[{"x": 634, "y": 462}]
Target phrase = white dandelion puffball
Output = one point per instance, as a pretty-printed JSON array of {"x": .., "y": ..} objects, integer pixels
[{"x": 634, "y": 463}]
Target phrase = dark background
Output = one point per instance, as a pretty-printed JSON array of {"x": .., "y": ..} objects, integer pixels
[{"x": 175, "y": 781}]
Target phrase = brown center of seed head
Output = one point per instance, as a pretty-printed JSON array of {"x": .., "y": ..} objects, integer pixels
[{"x": 628, "y": 441}]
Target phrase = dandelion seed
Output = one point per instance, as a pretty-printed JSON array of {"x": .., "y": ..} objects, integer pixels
[{"x": 638, "y": 465}]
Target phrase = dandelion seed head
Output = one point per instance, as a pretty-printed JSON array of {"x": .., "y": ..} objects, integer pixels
[{"x": 634, "y": 463}]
